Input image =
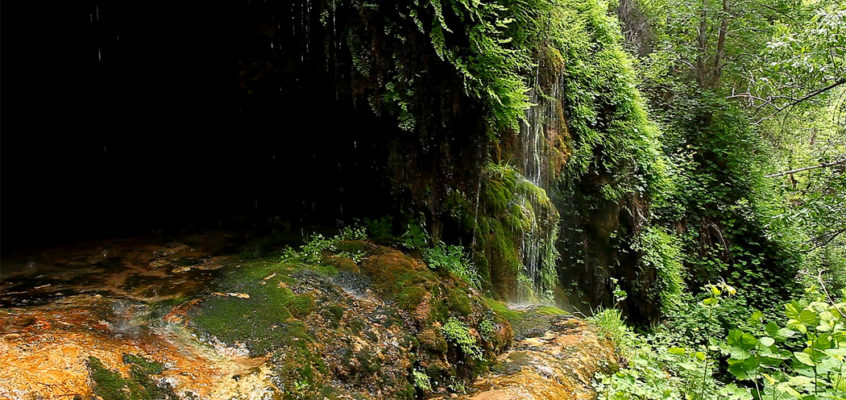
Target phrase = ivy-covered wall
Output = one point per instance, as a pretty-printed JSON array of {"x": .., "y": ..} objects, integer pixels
[{"x": 517, "y": 129}]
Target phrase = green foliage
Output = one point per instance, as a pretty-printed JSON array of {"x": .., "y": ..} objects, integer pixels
[
  {"x": 802, "y": 358},
  {"x": 605, "y": 112},
  {"x": 482, "y": 50},
  {"x": 737, "y": 89},
  {"x": 454, "y": 260},
  {"x": 355, "y": 231},
  {"x": 659, "y": 364},
  {"x": 415, "y": 236},
  {"x": 421, "y": 381},
  {"x": 311, "y": 252},
  {"x": 381, "y": 228},
  {"x": 487, "y": 329},
  {"x": 661, "y": 252},
  {"x": 514, "y": 211},
  {"x": 457, "y": 334}
]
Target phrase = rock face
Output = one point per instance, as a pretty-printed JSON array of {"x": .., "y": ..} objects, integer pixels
[
  {"x": 366, "y": 322},
  {"x": 557, "y": 364}
]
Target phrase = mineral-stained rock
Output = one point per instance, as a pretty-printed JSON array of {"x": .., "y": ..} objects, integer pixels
[
  {"x": 556, "y": 364},
  {"x": 385, "y": 326}
]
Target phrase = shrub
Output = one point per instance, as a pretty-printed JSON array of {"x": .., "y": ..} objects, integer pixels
[
  {"x": 454, "y": 260},
  {"x": 456, "y": 333}
]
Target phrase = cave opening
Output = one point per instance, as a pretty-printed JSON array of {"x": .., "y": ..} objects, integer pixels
[{"x": 142, "y": 118}]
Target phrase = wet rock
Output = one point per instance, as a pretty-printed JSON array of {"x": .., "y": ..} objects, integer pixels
[
  {"x": 557, "y": 364},
  {"x": 263, "y": 328}
]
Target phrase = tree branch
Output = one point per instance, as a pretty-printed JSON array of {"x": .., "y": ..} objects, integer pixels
[
  {"x": 803, "y": 98},
  {"x": 823, "y": 165}
]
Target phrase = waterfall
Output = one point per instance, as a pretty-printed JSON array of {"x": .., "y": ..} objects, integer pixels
[{"x": 537, "y": 247}]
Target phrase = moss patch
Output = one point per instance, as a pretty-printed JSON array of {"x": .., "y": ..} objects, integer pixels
[
  {"x": 255, "y": 307},
  {"x": 140, "y": 385},
  {"x": 528, "y": 321}
]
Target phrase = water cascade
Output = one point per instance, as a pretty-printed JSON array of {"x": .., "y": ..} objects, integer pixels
[{"x": 537, "y": 137}]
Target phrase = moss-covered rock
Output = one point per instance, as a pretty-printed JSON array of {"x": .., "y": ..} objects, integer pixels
[
  {"x": 141, "y": 384},
  {"x": 330, "y": 327}
]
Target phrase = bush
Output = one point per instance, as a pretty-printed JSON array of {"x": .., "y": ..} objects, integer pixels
[
  {"x": 454, "y": 260},
  {"x": 802, "y": 358},
  {"x": 456, "y": 333}
]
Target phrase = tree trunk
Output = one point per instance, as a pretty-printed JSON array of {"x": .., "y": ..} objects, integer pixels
[
  {"x": 703, "y": 45},
  {"x": 721, "y": 46}
]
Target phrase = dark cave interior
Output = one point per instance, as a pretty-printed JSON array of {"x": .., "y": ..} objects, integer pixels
[{"x": 136, "y": 118}]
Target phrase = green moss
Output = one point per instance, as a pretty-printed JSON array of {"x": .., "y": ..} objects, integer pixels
[
  {"x": 510, "y": 207},
  {"x": 368, "y": 361},
  {"x": 107, "y": 384},
  {"x": 334, "y": 313},
  {"x": 400, "y": 278},
  {"x": 144, "y": 365},
  {"x": 536, "y": 318},
  {"x": 301, "y": 372},
  {"x": 111, "y": 385},
  {"x": 357, "y": 326},
  {"x": 409, "y": 297},
  {"x": 259, "y": 320},
  {"x": 459, "y": 301},
  {"x": 301, "y": 305},
  {"x": 354, "y": 246},
  {"x": 432, "y": 340},
  {"x": 503, "y": 311}
]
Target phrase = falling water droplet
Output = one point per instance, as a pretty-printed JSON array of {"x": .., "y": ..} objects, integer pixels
[
  {"x": 99, "y": 56},
  {"x": 105, "y": 149}
]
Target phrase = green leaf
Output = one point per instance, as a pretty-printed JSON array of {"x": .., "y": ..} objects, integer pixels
[
  {"x": 808, "y": 318},
  {"x": 767, "y": 341},
  {"x": 677, "y": 351},
  {"x": 785, "y": 333},
  {"x": 804, "y": 358}
]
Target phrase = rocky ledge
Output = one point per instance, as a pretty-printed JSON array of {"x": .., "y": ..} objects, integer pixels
[{"x": 364, "y": 322}]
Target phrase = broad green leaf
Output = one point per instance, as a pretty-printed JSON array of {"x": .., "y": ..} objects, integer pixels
[
  {"x": 799, "y": 380},
  {"x": 804, "y": 358},
  {"x": 756, "y": 318},
  {"x": 809, "y": 318}
]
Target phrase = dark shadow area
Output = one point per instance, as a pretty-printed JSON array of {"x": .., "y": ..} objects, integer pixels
[{"x": 122, "y": 118}]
